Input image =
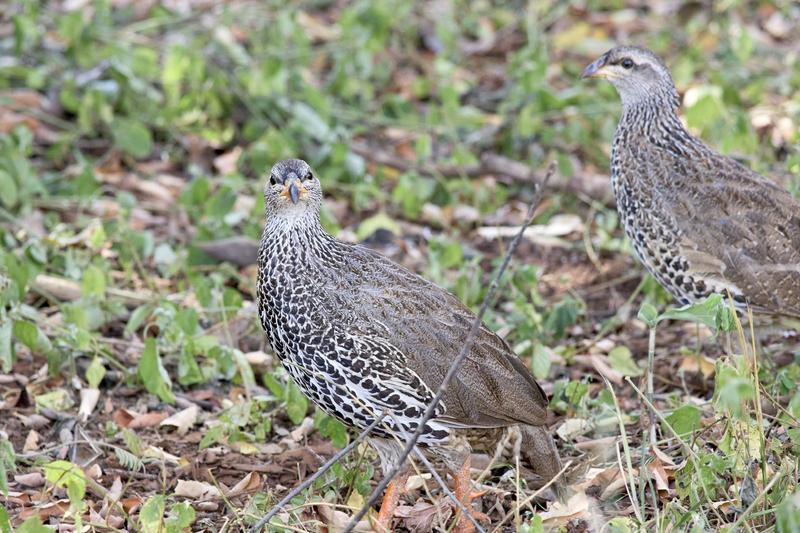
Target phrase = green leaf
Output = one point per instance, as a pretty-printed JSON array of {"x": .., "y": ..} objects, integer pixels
[
  {"x": 27, "y": 333},
  {"x": 648, "y": 314},
  {"x": 152, "y": 514},
  {"x": 138, "y": 317},
  {"x": 182, "y": 516},
  {"x": 534, "y": 526},
  {"x": 94, "y": 282},
  {"x": 380, "y": 220},
  {"x": 704, "y": 312},
  {"x": 8, "y": 185},
  {"x": 684, "y": 420},
  {"x": 621, "y": 360},
  {"x": 213, "y": 435},
  {"x": 540, "y": 361},
  {"x": 245, "y": 370},
  {"x": 6, "y": 347},
  {"x": 5, "y": 521},
  {"x": 57, "y": 400},
  {"x": 132, "y": 137},
  {"x": 788, "y": 514},
  {"x": 95, "y": 373},
  {"x": 153, "y": 374},
  {"x": 67, "y": 475},
  {"x": 296, "y": 403},
  {"x": 33, "y": 525}
]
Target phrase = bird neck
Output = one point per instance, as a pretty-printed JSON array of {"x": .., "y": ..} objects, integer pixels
[
  {"x": 654, "y": 121},
  {"x": 301, "y": 230}
]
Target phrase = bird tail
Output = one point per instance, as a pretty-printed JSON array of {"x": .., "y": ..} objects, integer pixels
[{"x": 539, "y": 451}]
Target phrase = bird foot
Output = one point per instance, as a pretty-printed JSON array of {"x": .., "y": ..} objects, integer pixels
[
  {"x": 465, "y": 525},
  {"x": 391, "y": 498},
  {"x": 465, "y": 495}
]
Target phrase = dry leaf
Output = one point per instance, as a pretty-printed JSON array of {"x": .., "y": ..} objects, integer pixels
[
  {"x": 89, "y": 399},
  {"x": 248, "y": 484},
  {"x": 31, "y": 480},
  {"x": 698, "y": 364},
  {"x": 226, "y": 163},
  {"x": 128, "y": 419},
  {"x": 183, "y": 419},
  {"x": 31, "y": 441},
  {"x": 422, "y": 517},
  {"x": 196, "y": 490},
  {"x": 561, "y": 513}
]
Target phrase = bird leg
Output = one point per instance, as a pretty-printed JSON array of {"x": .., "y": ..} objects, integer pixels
[
  {"x": 391, "y": 497},
  {"x": 464, "y": 494}
]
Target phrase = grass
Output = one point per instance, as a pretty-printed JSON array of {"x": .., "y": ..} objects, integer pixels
[{"x": 136, "y": 138}]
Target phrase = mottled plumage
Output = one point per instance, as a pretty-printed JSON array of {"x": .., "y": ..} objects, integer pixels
[
  {"x": 360, "y": 334},
  {"x": 700, "y": 222}
]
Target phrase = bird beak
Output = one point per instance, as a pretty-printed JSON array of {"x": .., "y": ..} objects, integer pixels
[
  {"x": 293, "y": 191},
  {"x": 595, "y": 69}
]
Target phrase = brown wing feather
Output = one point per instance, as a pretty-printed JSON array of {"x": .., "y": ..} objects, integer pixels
[
  {"x": 429, "y": 325},
  {"x": 740, "y": 230}
]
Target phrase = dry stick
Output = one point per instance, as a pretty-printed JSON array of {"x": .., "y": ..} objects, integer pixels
[
  {"x": 324, "y": 468},
  {"x": 456, "y": 364}
]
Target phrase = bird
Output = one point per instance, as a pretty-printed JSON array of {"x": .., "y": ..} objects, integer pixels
[
  {"x": 700, "y": 222},
  {"x": 361, "y": 335}
]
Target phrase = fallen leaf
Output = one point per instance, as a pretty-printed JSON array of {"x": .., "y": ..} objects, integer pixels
[
  {"x": 561, "y": 513},
  {"x": 422, "y": 516},
  {"x": 227, "y": 162},
  {"x": 31, "y": 441},
  {"x": 183, "y": 419},
  {"x": 89, "y": 399},
  {"x": 128, "y": 419},
  {"x": 417, "y": 481},
  {"x": 247, "y": 485},
  {"x": 698, "y": 364},
  {"x": 31, "y": 480},
  {"x": 197, "y": 490}
]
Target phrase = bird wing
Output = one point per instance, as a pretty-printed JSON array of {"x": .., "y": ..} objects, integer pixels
[
  {"x": 493, "y": 388},
  {"x": 740, "y": 231}
]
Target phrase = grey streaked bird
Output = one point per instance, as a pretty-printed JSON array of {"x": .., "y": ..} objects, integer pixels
[
  {"x": 360, "y": 334},
  {"x": 700, "y": 222}
]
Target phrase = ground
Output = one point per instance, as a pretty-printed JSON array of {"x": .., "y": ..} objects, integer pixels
[{"x": 138, "y": 392}]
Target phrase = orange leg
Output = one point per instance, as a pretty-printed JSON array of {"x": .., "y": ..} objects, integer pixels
[
  {"x": 391, "y": 497},
  {"x": 464, "y": 494}
]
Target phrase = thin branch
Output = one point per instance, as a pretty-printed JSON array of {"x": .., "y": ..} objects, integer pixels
[
  {"x": 456, "y": 364},
  {"x": 324, "y": 468}
]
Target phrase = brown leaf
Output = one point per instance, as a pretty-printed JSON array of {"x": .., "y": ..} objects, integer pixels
[
  {"x": 226, "y": 163},
  {"x": 128, "y": 419},
  {"x": 247, "y": 485},
  {"x": 183, "y": 419},
  {"x": 31, "y": 441},
  {"x": 196, "y": 490},
  {"x": 422, "y": 516},
  {"x": 31, "y": 480}
]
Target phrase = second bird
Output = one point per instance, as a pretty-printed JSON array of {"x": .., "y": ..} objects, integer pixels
[{"x": 700, "y": 222}]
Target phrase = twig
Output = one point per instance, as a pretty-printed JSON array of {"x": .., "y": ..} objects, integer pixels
[
  {"x": 324, "y": 468},
  {"x": 456, "y": 364}
]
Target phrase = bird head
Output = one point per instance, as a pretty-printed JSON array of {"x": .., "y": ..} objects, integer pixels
[
  {"x": 293, "y": 190},
  {"x": 637, "y": 73}
]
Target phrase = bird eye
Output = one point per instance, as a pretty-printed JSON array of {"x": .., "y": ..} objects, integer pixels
[
  {"x": 627, "y": 63},
  {"x": 309, "y": 176},
  {"x": 273, "y": 180}
]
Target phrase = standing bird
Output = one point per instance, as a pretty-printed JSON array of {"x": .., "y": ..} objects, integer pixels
[
  {"x": 700, "y": 222},
  {"x": 361, "y": 335}
]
